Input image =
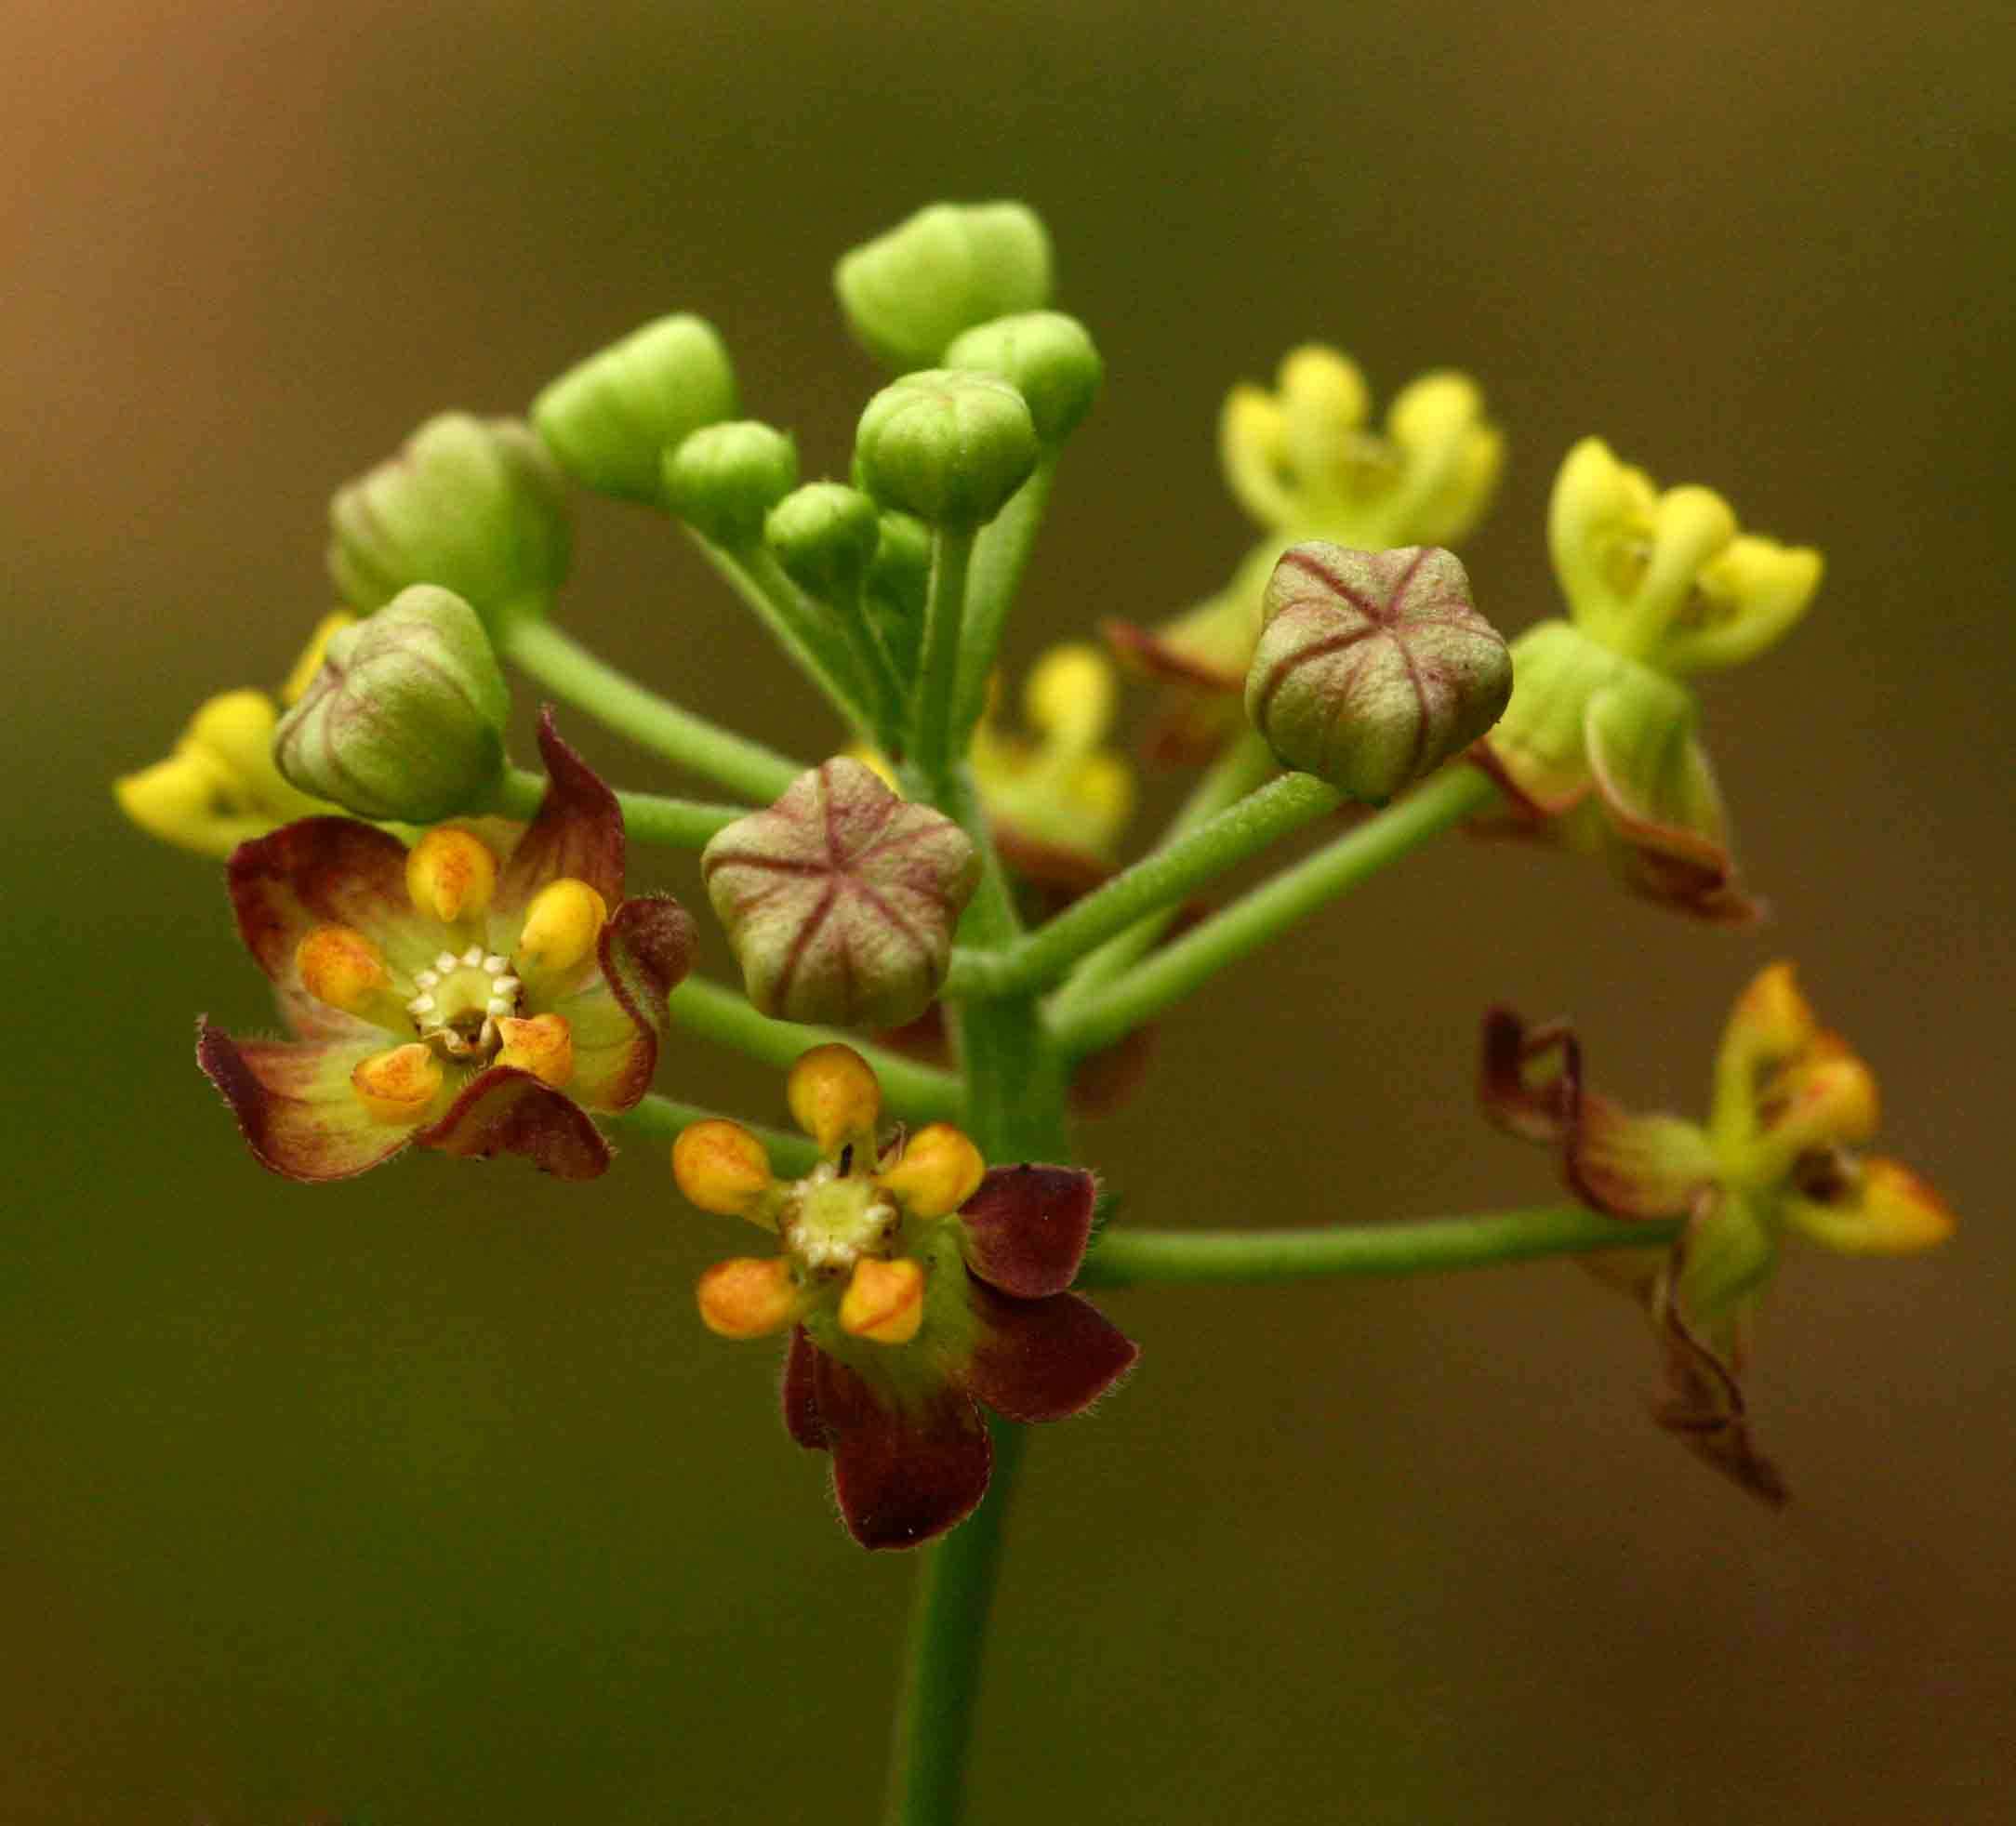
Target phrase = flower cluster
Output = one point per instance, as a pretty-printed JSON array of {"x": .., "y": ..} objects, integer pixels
[
  {"x": 918, "y": 1287},
  {"x": 1777, "y": 1157}
]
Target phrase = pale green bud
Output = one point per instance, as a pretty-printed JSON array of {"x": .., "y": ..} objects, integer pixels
[
  {"x": 405, "y": 718},
  {"x": 1374, "y": 667},
  {"x": 1046, "y": 357},
  {"x": 948, "y": 445},
  {"x": 473, "y": 505},
  {"x": 907, "y": 293},
  {"x": 825, "y": 535},
  {"x": 898, "y": 587},
  {"x": 610, "y": 419},
  {"x": 724, "y": 480}
]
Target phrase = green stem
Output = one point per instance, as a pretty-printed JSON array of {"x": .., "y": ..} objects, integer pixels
[
  {"x": 941, "y": 1683},
  {"x": 1219, "y": 1258},
  {"x": 575, "y": 675},
  {"x": 648, "y": 817},
  {"x": 659, "y": 1118},
  {"x": 944, "y": 609},
  {"x": 1159, "y": 880},
  {"x": 1001, "y": 556},
  {"x": 800, "y": 626},
  {"x": 1271, "y": 908},
  {"x": 1241, "y": 769},
  {"x": 921, "y": 1092}
]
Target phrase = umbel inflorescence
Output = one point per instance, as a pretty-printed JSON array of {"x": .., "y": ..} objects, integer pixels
[{"x": 937, "y": 937}]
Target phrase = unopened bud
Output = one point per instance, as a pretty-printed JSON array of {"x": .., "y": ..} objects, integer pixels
[
  {"x": 834, "y": 1097},
  {"x": 909, "y": 292},
  {"x": 841, "y": 900},
  {"x": 722, "y": 1168},
  {"x": 405, "y": 718},
  {"x": 949, "y": 445},
  {"x": 884, "y": 1302},
  {"x": 1374, "y": 667},
  {"x": 473, "y": 505},
  {"x": 939, "y": 1171},
  {"x": 723, "y": 480},
  {"x": 825, "y": 535},
  {"x": 610, "y": 419},
  {"x": 1046, "y": 357},
  {"x": 749, "y": 1297}
]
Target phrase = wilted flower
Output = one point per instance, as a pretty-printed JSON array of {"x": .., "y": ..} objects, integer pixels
[
  {"x": 478, "y": 994},
  {"x": 918, "y": 1285},
  {"x": 841, "y": 900},
  {"x": 1597, "y": 748},
  {"x": 1777, "y": 1156},
  {"x": 1305, "y": 463}
]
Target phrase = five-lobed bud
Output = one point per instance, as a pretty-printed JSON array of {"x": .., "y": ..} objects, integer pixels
[
  {"x": 610, "y": 419},
  {"x": 949, "y": 445},
  {"x": 909, "y": 292},
  {"x": 405, "y": 718},
  {"x": 1374, "y": 667},
  {"x": 724, "y": 480},
  {"x": 1046, "y": 357}
]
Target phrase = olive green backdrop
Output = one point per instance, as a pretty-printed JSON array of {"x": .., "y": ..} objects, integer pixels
[{"x": 426, "y": 1499}]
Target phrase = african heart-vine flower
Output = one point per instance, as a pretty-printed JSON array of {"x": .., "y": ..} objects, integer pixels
[
  {"x": 918, "y": 1287},
  {"x": 480, "y": 993},
  {"x": 1777, "y": 1157}
]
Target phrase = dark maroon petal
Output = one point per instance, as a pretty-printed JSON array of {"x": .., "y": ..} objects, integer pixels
[
  {"x": 509, "y": 1111},
  {"x": 316, "y": 872},
  {"x": 1703, "y": 1401},
  {"x": 1530, "y": 1078},
  {"x": 577, "y": 832},
  {"x": 293, "y": 1103},
  {"x": 1026, "y": 1227},
  {"x": 1044, "y": 1359},
  {"x": 901, "y": 1474},
  {"x": 800, "y": 1396}
]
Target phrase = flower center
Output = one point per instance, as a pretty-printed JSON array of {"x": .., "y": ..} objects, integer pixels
[
  {"x": 460, "y": 1001},
  {"x": 832, "y": 1220}
]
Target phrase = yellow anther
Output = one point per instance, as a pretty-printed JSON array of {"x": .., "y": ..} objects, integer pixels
[
  {"x": 542, "y": 1045},
  {"x": 747, "y": 1298},
  {"x": 399, "y": 1086},
  {"x": 939, "y": 1171},
  {"x": 562, "y": 925},
  {"x": 451, "y": 875},
  {"x": 884, "y": 1302},
  {"x": 1069, "y": 696},
  {"x": 722, "y": 1168},
  {"x": 309, "y": 663},
  {"x": 343, "y": 967},
  {"x": 834, "y": 1098}
]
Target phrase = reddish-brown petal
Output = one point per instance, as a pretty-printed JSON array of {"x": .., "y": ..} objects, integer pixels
[
  {"x": 1530, "y": 1078},
  {"x": 295, "y": 1106},
  {"x": 800, "y": 1394},
  {"x": 1702, "y": 1402},
  {"x": 323, "y": 872},
  {"x": 509, "y": 1111},
  {"x": 577, "y": 832},
  {"x": 1026, "y": 1227},
  {"x": 1044, "y": 1359},
  {"x": 902, "y": 1475}
]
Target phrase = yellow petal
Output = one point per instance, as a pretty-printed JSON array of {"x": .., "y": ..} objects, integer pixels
[
  {"x": 939, "y": 1171},
  {"x": 884, "y": 1302},
  {"x": 747, "y": 1298},
  {"x": 562, "y": 925},
  {"x": 542, "y": 1045},
  {"x": 1879, "y": 1207},
  {"x": 722, "y": 1168},
  {"x": 834, "y": 1098}
]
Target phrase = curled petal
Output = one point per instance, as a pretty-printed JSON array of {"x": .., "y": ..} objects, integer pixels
[
  {"x": 904, "y": 1472},
  {"x": 799, "y": 1394},
  {"x": 1530, "y": 1078},
  {"x": 618, "y": 1019},
  {"x": 1025, "y": 1229},
  {"x": 324, "y": 871},
  {"x": 1659, "y": 795},
  {"x": 1044, "y": 1359},
  {"x": 294, "y": 1104},
  {"x": 508, "y": 1111},
  {"x": 577, "y": 832}
]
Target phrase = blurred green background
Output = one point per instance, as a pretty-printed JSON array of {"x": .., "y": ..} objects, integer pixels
[{"x": 426, "y": 1497}]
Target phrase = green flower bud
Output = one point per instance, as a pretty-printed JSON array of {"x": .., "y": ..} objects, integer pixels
[
  {"x": 841, "y": 899},
  {"x": 948, "y": 445},
  {"x": 1374, "y": 667},
  {"x": 610, "y": 419},
  {"x": 825, "y": 535},
  {"x": 907, "y": 293},
  {"x": 723, "y": 481},
  {"x": 1046, "y": 357},
  {"x": 473, "y": 505},
  {"x": 405, "y": 718}
]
